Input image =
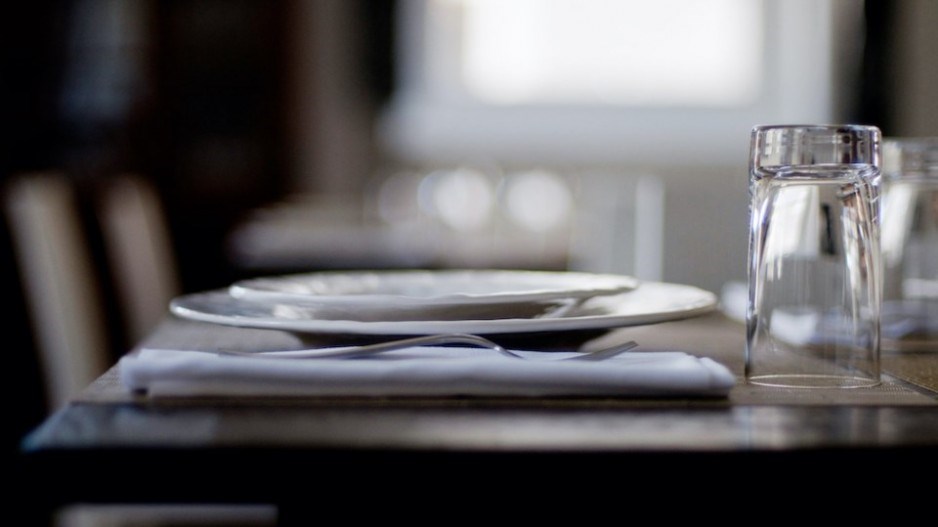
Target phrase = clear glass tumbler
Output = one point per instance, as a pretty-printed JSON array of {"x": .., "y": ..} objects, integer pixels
[
  {"x": 813, "y": 317},
  {"x": 909, "y": 227}
]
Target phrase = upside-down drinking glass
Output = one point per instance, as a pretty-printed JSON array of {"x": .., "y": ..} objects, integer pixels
[{"x": 813, "y": 316}]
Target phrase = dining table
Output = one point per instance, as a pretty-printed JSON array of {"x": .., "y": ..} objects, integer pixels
[{"x": 423, "y": 458}]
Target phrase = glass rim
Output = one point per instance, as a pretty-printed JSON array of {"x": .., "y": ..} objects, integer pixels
[
  {"x": 774, "y": 146},
  {"x": 791, "y": 134},
  {"x": 867, "y": 128}
]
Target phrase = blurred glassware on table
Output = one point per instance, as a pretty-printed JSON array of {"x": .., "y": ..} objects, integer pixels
[
  {"x": 813, "y": 318},
  {"x": 910, "y": 244},
  {"x": 471, "y": 216}
]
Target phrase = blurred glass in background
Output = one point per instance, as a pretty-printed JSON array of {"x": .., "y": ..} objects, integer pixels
[{"x": 910, "y": 244}]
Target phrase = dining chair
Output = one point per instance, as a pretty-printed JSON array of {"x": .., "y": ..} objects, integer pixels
[
  {"x": 89, "y": 300},
  {"x": 63, "y": 270},
  {"x": 61, "y": 288}
]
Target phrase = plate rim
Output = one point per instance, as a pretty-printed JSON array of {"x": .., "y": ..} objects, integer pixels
[
  {"x": 605, "y": 284},
  {"x": 706, "y": 302}
]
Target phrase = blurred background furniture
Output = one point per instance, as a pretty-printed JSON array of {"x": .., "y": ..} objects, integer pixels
[
  {"x": 98, "y": 270},
  {"x": 63, "y": 295},
  {"x": 140, "y": 252}
]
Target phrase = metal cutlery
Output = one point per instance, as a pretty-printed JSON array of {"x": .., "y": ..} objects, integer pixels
[{"x": 428, "y": 340}]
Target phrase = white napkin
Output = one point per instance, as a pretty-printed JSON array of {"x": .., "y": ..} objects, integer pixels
[{"x": 424, "y": 371}]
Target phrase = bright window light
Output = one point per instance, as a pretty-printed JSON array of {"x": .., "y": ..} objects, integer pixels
[
  {"x": 629, "y": 52},
  {"x": 637, "y": 82}
]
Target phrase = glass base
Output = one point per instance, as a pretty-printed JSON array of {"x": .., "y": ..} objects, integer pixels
[{"x": 813, "y": 381}]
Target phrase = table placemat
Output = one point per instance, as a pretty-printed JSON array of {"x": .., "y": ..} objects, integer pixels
[{"x": 909, "y": 379}]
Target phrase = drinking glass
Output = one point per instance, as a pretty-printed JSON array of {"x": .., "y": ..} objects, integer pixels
[
  {"x": 909, "y": 228},
  {"x": 813, "y": 315}
]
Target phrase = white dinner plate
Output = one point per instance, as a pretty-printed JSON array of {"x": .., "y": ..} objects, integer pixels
[
  {"x": 429, "y": 288},
  {"x": 649, "y": 302}
]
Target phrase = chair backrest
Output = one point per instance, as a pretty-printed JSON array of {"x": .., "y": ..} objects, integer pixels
[
  {"x": 62, "y": 292},
  {"x": 138, "y": 245},
  {"x": 72, "y": 284}
]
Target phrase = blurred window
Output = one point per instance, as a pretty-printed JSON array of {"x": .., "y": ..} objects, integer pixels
[
  {"x": 673, "y": 81},
  {"x": 660, "y": 53}
]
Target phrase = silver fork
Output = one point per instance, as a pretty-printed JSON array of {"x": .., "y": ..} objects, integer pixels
[{"x": 428, "y": 340}]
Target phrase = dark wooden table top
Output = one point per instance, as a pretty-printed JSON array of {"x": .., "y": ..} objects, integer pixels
[{"x": 256, "y": 450}]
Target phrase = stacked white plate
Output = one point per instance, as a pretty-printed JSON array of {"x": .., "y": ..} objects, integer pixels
[{"x": 409, "y": 302}]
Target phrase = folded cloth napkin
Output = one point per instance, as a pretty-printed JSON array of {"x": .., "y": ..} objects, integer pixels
[{"x": 424, "y": 371}]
